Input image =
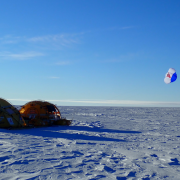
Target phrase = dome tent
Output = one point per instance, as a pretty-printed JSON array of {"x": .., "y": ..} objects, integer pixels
[
  {"x": 42, "y": 113},
  {"x": 10, "y": 116}
]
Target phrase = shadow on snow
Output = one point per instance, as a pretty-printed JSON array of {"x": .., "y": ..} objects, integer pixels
[
  {"x": 55, "y": 132},
  {"x": 96, "y": 129}
]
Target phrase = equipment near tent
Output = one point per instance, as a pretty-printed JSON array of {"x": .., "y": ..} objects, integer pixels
[
  {"x": 10, "y": 116},
  {"x": 42, "y": 113}
]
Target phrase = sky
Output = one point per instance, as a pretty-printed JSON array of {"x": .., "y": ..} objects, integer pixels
[{"x": 90, "y": 52}]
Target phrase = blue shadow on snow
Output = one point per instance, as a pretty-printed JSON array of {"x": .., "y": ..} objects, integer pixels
[{"x": 55, "y": 132}]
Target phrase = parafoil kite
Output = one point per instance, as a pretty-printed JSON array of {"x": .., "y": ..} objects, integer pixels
[{"x": 170, "y": 76}]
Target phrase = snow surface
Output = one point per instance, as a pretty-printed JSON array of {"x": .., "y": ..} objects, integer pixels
[{"x": 115, "y": 143}]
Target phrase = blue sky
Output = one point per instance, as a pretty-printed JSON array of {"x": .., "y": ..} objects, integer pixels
[{"x": 90, "y": 52}]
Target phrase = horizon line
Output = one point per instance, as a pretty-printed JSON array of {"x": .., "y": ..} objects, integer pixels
[{"x": 106, "y": 102}]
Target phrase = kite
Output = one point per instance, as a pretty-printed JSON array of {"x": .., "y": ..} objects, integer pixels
[{"x": 170, "y": 76}]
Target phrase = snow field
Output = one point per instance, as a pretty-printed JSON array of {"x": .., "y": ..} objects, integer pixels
[{"x": 114, "y": 143}]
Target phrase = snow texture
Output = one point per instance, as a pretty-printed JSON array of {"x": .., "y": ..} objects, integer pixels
[{"x": 115, "y": 143}]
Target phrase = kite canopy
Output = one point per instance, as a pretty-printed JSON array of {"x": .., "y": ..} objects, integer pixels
[
  {"x": 10, "y": 116},
  {"x": 170, "y": 76},
  {"x": 42, "y": 113}
]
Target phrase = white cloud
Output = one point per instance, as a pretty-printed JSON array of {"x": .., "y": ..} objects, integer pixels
[
  {"x": 56, "y": 40},
  {"x": 111, "y": 102},
  {"x": 54, "y": 77},
  {"x": 50, "y": 41},
  {"x": 20, "y": 56},
  {"x": 119, "y": 28},
  {"x": 8, "y": 39},
  {"x": 120, "y": 102}
]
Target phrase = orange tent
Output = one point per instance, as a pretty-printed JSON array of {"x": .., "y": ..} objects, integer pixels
[{"x": 42, "y": 113}]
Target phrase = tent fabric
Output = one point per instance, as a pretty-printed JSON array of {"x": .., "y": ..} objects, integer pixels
[
  {"x": 9, "y": 111},
  {"x": 40, "y": 113},
  {"x": 10, "y": 116},
  {"x": 34, "y": 113}
]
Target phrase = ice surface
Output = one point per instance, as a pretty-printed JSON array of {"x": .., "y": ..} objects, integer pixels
[{"x": 115, "y": 143}]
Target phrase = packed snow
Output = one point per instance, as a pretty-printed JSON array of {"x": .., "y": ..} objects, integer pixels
[{"x": 115, "y": 143}]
